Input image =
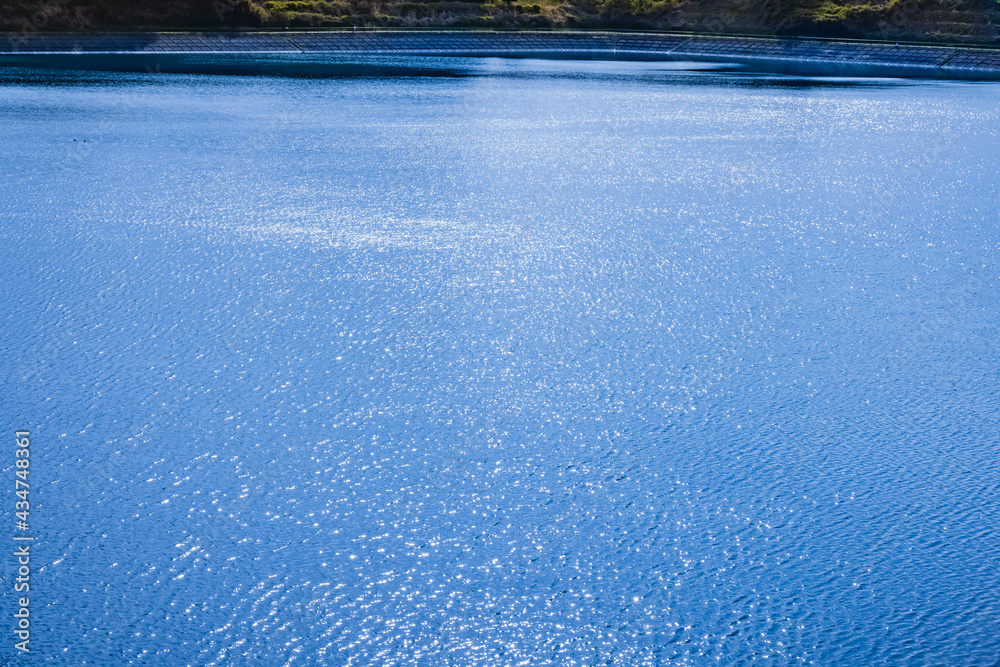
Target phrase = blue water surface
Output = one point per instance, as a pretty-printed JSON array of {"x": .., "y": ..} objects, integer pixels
[{"x": 483, "y": 362}]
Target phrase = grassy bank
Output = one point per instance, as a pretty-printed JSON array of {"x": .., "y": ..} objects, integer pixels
[{"x": 969, "y": 21}]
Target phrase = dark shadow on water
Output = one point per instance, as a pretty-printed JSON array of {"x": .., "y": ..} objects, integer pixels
[
  {"x": 232, "y": 65},
  {"x": 91, "y": 68}
]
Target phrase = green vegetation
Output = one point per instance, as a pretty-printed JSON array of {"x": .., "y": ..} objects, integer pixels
[
  {"x": 831, "y": 11},
  {"x": 976, "y": 21}
]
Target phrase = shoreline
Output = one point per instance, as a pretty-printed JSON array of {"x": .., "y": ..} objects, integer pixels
[{"x": 797, "y": 56}]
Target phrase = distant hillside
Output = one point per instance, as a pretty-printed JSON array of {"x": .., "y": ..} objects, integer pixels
[{"x": 894, "y": 20}]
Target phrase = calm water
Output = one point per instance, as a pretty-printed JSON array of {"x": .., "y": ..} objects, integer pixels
[{"x": 516, "y": 363}]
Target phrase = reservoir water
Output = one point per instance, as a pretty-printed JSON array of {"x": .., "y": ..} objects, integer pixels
[{"x": 482, "y": 362}]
